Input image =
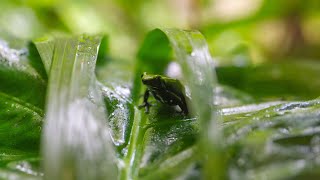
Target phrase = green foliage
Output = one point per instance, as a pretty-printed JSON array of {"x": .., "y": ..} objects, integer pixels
[
  {"x": 75, "y": 98},
  {"x": 281, "y": 81},
  {"x": 225, "y": 138}
]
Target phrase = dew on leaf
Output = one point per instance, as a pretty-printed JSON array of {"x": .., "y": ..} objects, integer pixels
[{"x": 12, "y": 56}]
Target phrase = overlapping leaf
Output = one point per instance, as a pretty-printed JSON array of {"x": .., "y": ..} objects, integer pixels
[{"x": 273, "y": 139}]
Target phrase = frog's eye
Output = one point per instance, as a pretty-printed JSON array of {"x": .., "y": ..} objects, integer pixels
[{"x": 144, "y": 73}]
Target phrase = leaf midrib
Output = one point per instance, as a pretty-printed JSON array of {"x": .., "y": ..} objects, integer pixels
[{"x": 22, "y": 103}]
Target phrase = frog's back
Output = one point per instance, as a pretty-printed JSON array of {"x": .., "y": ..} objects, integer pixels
[
  {"x": 175, "y": 86},
  {"x": 178, "y": 89}
]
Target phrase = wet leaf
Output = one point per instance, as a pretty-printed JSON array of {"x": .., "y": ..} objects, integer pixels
[
  {"x": 22, "y": 99},
  {"x": 248, "y": 128},
  {"x": 75, "y": 132}
]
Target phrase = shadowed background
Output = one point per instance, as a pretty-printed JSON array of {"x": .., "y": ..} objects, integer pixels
[{"x": 238, "y": 31}]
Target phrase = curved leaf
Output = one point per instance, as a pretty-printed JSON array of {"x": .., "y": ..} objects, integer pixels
[
  {"x": 162, "y": 137},
  {"x": 75, "y": 138}
]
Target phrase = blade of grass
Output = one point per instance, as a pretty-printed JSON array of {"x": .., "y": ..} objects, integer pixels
[
  {"x": 192, "y": 54},
  {"x": 76, "y": 143}
]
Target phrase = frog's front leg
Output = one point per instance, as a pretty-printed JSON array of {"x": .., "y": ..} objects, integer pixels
[
  {"x": 145, "y": 103},
  {"x": 183, "y": 106}
]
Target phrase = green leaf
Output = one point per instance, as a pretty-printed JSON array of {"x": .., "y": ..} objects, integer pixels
[
  {"x": 19, "y": 164},
  {"x": 45, "y": 48},
  {"x": 22, "y": 95},
  {"x": 75, "y": 138},
  {"x": 163, "y": 138},
  {"x": 274, "y": 81},
  {"x": 225, "y": 136},
  {"x": 198, "y": 69},
  {"x": 279, "y": 141},
  {"x": 22, "y": 99}
]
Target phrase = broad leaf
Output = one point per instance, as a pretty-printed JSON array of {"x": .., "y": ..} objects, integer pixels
[{"x": 22, "y": 99}]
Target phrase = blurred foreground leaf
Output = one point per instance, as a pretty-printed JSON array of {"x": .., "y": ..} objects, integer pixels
[{"x": 75, "y": 138}]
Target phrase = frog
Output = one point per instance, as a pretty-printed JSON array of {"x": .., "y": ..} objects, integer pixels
[{"x": 164, "y": 89}]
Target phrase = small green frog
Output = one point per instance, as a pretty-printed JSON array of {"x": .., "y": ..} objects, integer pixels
[{"x": 164, "y": 89}]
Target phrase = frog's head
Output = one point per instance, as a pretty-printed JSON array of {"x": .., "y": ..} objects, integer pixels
[{"x": 151, "y": 80}]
